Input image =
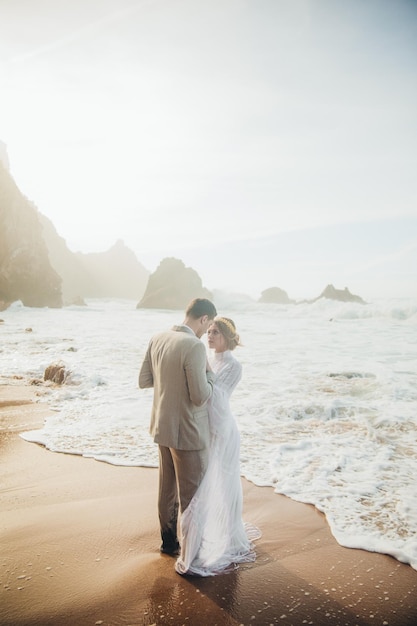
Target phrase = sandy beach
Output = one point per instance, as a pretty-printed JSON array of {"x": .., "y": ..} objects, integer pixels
[{"x": 79, "y": 545}]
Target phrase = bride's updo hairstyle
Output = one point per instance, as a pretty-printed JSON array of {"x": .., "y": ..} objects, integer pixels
[{"x": 228, "y": 329}]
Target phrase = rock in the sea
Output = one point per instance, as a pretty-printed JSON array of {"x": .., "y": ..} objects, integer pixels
[
  {"x": 77, "y": 301},
  {"x": 343, "y": 295},
  {"x": 274, "y": 295},
  {"x": 56, "y": 373},
  {"x": 172, "y": 286}
]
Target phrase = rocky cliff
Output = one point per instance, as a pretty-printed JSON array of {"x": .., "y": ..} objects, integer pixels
[
  {"x": 115, "y": 273},
  {"x": 4, "y": 157},
  {"x": 172, "y": 286},
  {"x": 37, "y": 267},
  {"x": 26, "y": 273},
  {"x": 75, "y": 279}
]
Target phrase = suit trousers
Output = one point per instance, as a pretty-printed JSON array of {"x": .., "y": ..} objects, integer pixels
[{"x": 180, "y": 474}]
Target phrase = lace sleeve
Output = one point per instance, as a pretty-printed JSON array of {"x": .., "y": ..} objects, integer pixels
[
  {"x": 229, "y": 376},
  {"x": 220, "y": 415}
]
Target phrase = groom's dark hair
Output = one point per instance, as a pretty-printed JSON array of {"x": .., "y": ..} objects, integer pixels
[{"x": 199, "y": 307}]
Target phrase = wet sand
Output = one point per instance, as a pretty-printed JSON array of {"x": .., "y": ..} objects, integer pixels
[{"x": 79, "y": 545}]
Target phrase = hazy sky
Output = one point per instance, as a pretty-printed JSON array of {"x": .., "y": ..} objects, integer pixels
[{"x": 179, "y": 125}]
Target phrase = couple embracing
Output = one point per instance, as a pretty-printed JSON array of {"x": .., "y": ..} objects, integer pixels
[{"x": 199, "y": 443}]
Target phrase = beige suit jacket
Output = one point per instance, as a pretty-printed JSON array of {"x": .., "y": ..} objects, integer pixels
[{"x": 175, "y": 366}]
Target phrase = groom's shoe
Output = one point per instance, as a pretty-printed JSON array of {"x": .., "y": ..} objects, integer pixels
[
  {"x": 170, "y": 543},
  {"x": 171, "y": 549}
]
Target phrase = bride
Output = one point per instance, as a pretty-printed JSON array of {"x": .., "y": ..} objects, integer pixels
[{"x": 213, "y": 537}]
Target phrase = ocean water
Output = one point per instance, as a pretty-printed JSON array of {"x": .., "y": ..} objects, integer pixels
[{"x": 327, "y": 405}]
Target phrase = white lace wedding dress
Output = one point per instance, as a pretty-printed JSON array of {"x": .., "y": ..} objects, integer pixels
[{"x": 213, "y": 537}]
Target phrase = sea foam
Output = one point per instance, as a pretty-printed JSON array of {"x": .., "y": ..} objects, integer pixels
[{"x": 326, "y": 405}]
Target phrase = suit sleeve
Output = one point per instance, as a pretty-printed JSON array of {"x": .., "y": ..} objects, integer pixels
[
  {"x": 199, "y": 381},
  {"x": 146, "y": 374}
]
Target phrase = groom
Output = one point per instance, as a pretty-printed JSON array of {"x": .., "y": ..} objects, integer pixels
[{"x": 175, "y": 365}]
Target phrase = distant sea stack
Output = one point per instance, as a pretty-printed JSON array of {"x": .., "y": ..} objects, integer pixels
[
  {"x": 25, "y": 271},
  {"x": 343, "y": 295},
  {"x": 275, "y": 295},
  {"x": 172, "y": 286}
]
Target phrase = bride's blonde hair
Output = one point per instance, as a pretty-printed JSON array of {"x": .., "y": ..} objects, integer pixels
[{"x": 228, "y": 329}]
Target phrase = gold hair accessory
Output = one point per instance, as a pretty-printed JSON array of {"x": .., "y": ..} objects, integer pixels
[{"x": 228, "y": 324}]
